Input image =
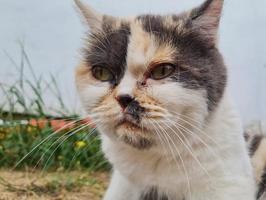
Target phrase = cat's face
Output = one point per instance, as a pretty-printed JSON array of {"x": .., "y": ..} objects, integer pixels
[{"x": 144, "y": 75}]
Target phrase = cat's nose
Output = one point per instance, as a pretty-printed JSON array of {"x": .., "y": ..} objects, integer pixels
[{"x": 124, "y": 100}]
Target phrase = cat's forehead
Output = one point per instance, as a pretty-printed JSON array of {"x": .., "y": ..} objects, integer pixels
[
  {"x": 144, "y": 47},
  {"x": 134, "y": 42}
]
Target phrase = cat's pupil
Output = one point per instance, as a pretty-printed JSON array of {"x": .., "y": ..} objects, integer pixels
[
  {"x": 162, "y": 72},
  {"x": 101, "y": 73}
]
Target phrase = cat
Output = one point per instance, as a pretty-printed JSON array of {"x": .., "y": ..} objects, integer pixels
[
  {"x": 255, "y": 135},
  {"x": 156, "y": 86}
]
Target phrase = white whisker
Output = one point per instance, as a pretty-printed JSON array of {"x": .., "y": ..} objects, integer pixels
[{"x": 182, "y": 161}]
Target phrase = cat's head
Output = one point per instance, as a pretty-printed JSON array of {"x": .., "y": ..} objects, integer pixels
[{"x": 143, "y": 75}]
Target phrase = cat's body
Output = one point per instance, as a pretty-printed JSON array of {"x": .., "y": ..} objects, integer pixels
[{"x": 156, "y": 87}]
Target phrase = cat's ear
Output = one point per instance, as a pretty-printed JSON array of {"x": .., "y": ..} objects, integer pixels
[
  {"x": 91, "y": 17},
  {"x": 206, "y": 18}
]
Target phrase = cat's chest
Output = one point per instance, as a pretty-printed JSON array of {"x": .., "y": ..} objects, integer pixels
[
  {"x": 175, "y": 177},
  {"x": 151, "y": 171}
]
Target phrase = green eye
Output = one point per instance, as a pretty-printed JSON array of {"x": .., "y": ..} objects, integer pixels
[
  {"x": 102, "y": 74},
  {"x": 162, "y": 71}
]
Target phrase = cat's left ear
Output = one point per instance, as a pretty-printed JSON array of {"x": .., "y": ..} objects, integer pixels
[
  {"x": 92, "y": 17},
  {"x": 206, "y": 18}
]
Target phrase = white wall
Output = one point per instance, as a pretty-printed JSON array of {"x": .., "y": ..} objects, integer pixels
[{"x": 51, "y": 31}]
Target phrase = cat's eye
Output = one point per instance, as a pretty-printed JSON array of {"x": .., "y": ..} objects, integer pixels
[
  {"x": 162, "y": 71},
  {"x": 102, "y": 74}
]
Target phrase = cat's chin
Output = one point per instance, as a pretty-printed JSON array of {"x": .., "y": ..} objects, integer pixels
[{"x": 134, "y": 136}]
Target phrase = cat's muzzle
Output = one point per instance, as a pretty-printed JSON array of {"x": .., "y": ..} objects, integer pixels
[{"x": 134, "y": 110}]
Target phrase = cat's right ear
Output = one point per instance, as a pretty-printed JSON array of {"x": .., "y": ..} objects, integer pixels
[{"x": 91, "y": 17}]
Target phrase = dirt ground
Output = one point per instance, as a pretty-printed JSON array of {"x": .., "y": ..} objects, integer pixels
[{"x": 75, "y": 185}]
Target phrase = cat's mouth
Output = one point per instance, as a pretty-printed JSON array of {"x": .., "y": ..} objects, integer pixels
[
  {"x": 133, "y": 133},
  {"x": 130, "y": 125}
]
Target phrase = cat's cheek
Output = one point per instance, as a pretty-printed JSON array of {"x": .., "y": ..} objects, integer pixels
[
  {"x": 91, "y": 95},
  {"x": 167, "y": 94},
  {"x": 177, "y": 98}
]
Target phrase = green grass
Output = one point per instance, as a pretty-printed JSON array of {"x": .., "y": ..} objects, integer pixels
[
  {"x": 61, "y": 151},
  {"x": 24, "y": 99},
  {"x": 28, "y": 93}
]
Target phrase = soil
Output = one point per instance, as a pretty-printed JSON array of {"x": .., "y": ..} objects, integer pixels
[{"x": 74, "y": 185}]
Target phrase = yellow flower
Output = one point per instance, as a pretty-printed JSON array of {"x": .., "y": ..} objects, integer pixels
[
  {"x": 60, "y": 157},
  {"x": 80, "y": 144},
  {"x": 29, "y": 129}
]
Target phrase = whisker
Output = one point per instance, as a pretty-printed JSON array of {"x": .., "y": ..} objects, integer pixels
[
  {"x": 44, "y": 140},
  {"x": 198, "y": 129},
  {"x": 188, "y": 147},
  {"x": 202, "y": 141},
  {"x": 160, "y": 139},
  {"x": 182, "y": 161},
  {"x": 46, "y": 163},
  {"x": 85, "y": 137},
  {"x": 80, "y": 127}
]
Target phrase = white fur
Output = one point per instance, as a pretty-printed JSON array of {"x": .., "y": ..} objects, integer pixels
[
  {"x": 232, "y": 179},
  {"x": 90, "y": 94},
  {"x": 126, "y": 85}
]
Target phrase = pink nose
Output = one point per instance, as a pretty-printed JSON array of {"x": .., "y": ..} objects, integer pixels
[{"x": 124, "y": 100}]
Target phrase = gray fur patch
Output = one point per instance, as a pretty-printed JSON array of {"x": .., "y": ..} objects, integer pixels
[
  {"x": 140, "y": 143},
  {"x": 197, "y": 12},
  {"x": 108, "y": 48},
  {"x": 153, "y": 194},
  {"x": 255, "y": 143},
  {"x": 200, "y": 64},
  {"x": 262, "y": 186}
]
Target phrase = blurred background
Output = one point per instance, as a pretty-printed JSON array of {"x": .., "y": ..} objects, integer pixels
[
  {"x": 40, "y": 43},
  {"x": 51, "y": 32}
]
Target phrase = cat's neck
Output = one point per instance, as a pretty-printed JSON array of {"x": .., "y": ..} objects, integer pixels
[{"x": 224, "y": 122}]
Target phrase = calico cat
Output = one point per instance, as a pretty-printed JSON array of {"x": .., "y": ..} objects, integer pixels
[{"x": 156, "y": 86}]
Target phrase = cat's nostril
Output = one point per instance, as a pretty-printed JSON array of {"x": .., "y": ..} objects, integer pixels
[{"x": 124, "y": 100}]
